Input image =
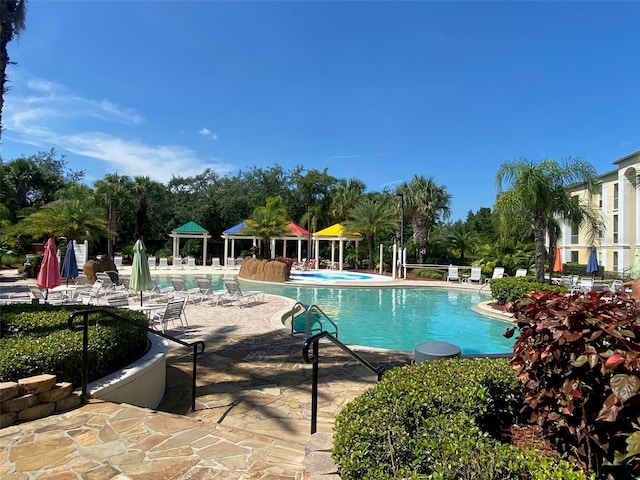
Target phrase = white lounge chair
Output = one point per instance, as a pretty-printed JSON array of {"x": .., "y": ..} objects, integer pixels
[
  {"x": 163, "y": 263},
  {"x": 235, "y": 293},
  {"x": 92, "y": 295},
  {"x": 231, "y": 262},
  {"x": 476, "y": 275},
  {"x": 191, "y": 262},
  {"x": 152, "y": 263},
  {"x": 117, "y": 261},
  {"x": 521, "y": 272},
  {"x": 172, "y": 313},
  {"x": 177, "y": 262},
  {"x": 215, "y": 263},
  {"x": 498, "y": 272},
  {"x": 453, "y": 274}
]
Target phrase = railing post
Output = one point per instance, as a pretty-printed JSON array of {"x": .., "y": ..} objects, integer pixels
[
  {"x": 85, "y": 357},
  {"x": 314, "y": 389},
  {"x": 193, "y": 377}
]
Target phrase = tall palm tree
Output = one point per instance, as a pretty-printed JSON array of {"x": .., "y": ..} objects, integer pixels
[
  {"x": 462, "y": 242},
  {"x": 269, "y": 221},
  {"x": 12, "y": 17},
  {"x": 426, "y": 203},
  {"x": 113, "y": 191},
  {"x": 371, "y": 218},
  {"x": 347, "y": 194},
  {"x": 537, "y": 191}
]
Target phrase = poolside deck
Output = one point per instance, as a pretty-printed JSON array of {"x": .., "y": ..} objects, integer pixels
[{"x": 253, "y": 407}]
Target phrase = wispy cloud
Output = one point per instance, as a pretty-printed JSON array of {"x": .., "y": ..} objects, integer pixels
[
  {"x": 47, "y": 116},
  {"x": 208, "y": 133}
]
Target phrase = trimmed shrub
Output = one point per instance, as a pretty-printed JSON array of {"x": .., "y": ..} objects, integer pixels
[
  {"x": 439, "y": 420},
  {"x": 429, "y": 274},
  {"x": 34, "y": 339},
  {"x": 510, "y": 289}
]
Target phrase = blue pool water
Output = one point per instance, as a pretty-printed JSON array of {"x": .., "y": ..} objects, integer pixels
[{"x": 396, "y": 318}]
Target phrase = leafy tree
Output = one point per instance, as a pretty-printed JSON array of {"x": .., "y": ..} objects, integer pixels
[
  {"x": 370, "y": 218},
  {"x": 482, "y": 223},
  {"x": 537, "y": 191},
  {"x": 462, "y": 241},
  {"x": 75, "y": 215},
  {"x": 347, "y": 194},
  {"x": 269, "y": 221},
  {"x": 150, "y": 209},
  {"x": 12, "y": 19},
  {"x": 426, "y": 204},
  {"x": 113, "y": 191}
]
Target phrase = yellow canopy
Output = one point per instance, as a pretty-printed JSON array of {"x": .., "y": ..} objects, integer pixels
[{"x": 337, "y": 230}]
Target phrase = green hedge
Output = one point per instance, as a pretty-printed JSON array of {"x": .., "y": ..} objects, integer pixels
[
  {"x": 439, "y": 420},
  {"x": 510, "y": 289},
  {"x": 34, "y": 339}
]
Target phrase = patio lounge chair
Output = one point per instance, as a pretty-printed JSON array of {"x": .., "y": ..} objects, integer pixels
[
  {"x": 476, "y": 275},
  {"x": 207, "y": 293},
  {"x": 191, "y": 262},
  {"x": 521, "y": 272},
  {"x": 498, "y": 272},
  {"x": 215, "y": 263},
  {"x": 91, "y": 296},
  {"x": 118, "y": 300},
  {"x": 152, "y": 263},
  {"x": 180, "y": 289},
  {"x": 453, "y": 274},
  {"x": 163, "y": 263},
  {"x": 173, "y": 312},
  {"x": 177, "y": 262},
  {"x": 235, "y": 293},
  {"x": 117, "y": 261}
]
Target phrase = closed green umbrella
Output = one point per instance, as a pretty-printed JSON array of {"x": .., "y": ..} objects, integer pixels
[{"x": 140, "y": 274}]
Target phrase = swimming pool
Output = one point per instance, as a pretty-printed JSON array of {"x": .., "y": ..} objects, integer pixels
[
  {"x": 332, "y": 276},
  {"x": 396, "y": 318}
]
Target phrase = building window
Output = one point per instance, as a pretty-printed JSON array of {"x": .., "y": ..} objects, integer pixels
[
  {"x": 615, "y": 261},
  {"x": 575, "y": 234},
  {"x": 615, "y": 196},
  {"x": 615, "y": 229},
  {"x": 574, "y": 256}
]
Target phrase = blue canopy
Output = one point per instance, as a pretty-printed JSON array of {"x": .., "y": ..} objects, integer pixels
[
  {"x": 592, "y": 264},
  {"x": 237, "y": 230}
]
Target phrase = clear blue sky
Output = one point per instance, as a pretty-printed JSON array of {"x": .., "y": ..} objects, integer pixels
[{"x": 379, "y": 91}]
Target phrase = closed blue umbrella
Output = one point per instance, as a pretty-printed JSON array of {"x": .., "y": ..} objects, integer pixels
[
  {"x": 592, "y": 264},
  {"x": 140, "y": 275},
  {"x": 69, "y": 265}
]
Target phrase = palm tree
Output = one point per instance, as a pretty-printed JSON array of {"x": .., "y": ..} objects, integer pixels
[
  {"x": 462, "y": 241},
  {"x": 270, "y": 221},
  {"x": 347, "y": 194},
  {"x": 12, "y": 17},
  {"x": 537, "y": 191},
  {"x": 370, "y": 218},
  {"x": 426, "y": 203},
  {"x": 113, "y": 191},
  {"x": 77, "y": 217}
]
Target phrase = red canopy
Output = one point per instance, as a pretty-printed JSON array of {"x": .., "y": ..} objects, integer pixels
[{"x": 297, "y": 229}]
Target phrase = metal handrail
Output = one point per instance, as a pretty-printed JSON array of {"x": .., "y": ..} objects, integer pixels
[
  {"x": 198, "y": 346},
  {"x": 319, "y": 310},
  {"x": 314, "y": 341}
]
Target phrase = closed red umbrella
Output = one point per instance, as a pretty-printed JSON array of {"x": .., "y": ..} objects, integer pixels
[{"x": 49, "y": 275}]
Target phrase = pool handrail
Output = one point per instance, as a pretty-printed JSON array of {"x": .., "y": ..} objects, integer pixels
[
  {"x": 310, "y": 310},
  {"x": 314, "y": 342}
]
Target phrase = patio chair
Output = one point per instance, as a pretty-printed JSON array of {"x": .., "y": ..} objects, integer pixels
[
  {"x": 92, "y": 295},
  {"x": 117, "y": 261},
  {"x": 163, "y": 263},
  {"x": 476, "y": 275},
  {"x": 498, "y": 272},
  {"x": 521, "y": 272},
  {"x": 207, "y": 292},
  {"x": 118, "y": 300},
  {"x": 177, "y": 262},
  {"x": 180, "y": 289},
  {"x": 231, "y": 262},
  {"x": 173, "y": 312},
  {"x": 42, "y": 297},
  {"x": 453, "y": 274},
  {"x": 235, "y": 293},
  {"x": 152, "y": 263},
  {"x": 215, "y": 263},
  {"x": 191, "y": 262}
]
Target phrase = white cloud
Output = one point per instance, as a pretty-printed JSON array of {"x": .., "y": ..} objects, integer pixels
[
  {"x": 208, "y": 133},
  {"x": 50, "y": 117}
]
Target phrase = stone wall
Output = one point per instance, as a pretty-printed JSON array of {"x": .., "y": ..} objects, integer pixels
[
  {"x": 35, "y": 397},
  {"x": 263, "y": 270}
]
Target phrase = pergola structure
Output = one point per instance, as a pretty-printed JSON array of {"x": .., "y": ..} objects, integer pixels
[
  {"x": 334, "y": 233},
  {"x": 238, "y": 233},
  {"x": 190, "y": 230}
]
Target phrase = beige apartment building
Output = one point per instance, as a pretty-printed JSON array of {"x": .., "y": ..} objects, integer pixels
[{"x": 617, "y": 199}]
